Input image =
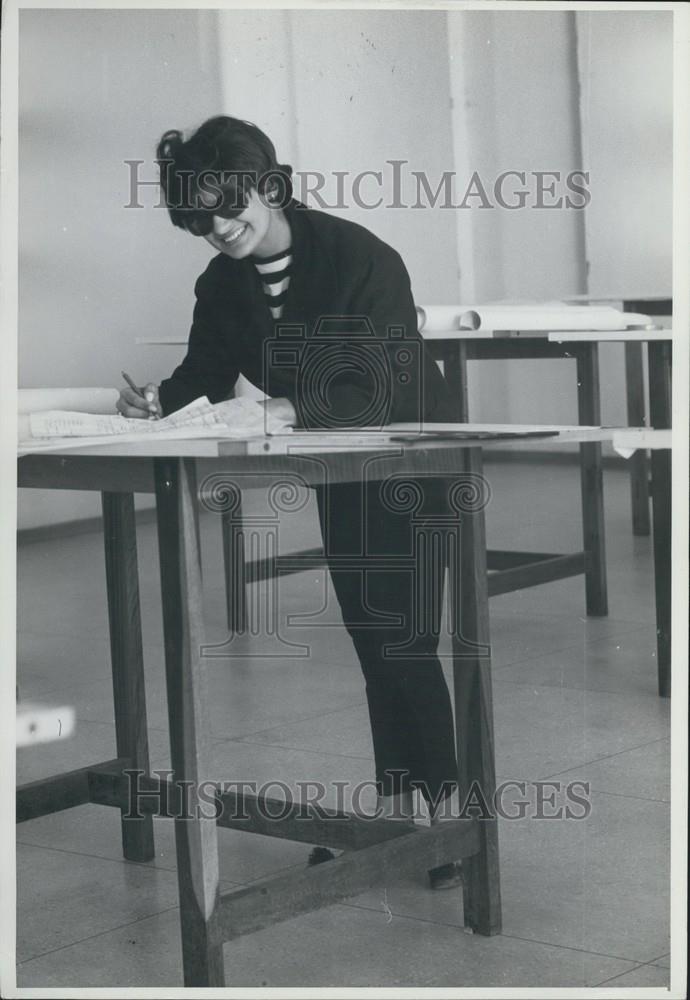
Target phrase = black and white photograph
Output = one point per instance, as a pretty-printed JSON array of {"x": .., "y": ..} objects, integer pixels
[{"x": 344, "y": 498}]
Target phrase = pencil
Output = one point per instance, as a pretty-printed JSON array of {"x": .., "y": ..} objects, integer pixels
[{"x": 135, "y": 388}]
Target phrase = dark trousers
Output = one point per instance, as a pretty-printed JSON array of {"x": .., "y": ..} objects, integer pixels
[{"x": 390, "y": 595}]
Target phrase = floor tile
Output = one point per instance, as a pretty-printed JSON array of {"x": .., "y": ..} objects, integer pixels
[
  {"x": 144, "y": 953},
  {"x": 64, "y": 897},
  {"x": 644, "y": 772},
  {"x": 61, "y": 662},
  {"x": 543, "y": 730},
  {"x": 520, "y": 642},
  {"x": 338, "y": 946},
  {"x": 90, "y": 743},
  {"x": 585, "y": 902},
  {"x": 578, "y": 883},
  {"x": 345, "y": 732},
  {"x": 629, "y": 600},
  {"x": 328, "y": 779},
  {"x": 643, "y": 975},
  {"x": 539, "y": 730},
  {"x": 94, "y": 830},
  {"x": 599, "y": 883},
  {"x": 246, "y": 693},
  {"x": 350, "y": 946},
  {"x": 626, "y": 663}
]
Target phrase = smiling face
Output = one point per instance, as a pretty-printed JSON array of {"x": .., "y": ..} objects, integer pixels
[{"x": 259, "y": 230}]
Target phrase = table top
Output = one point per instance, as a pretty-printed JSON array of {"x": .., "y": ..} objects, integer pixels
[
  {"x": 629, "y": 439},
  {"x": 560, "y": 336},
  {"x": 627, "y": 335},
  {"x": 612, "y": 336},
  {"x": 320, "y": 442},
  {"x": 586, "y": 297},
  {"x": 313, "y": 457}
]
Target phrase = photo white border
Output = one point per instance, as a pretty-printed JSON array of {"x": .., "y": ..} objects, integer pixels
[{"x": 681, "y": 415}]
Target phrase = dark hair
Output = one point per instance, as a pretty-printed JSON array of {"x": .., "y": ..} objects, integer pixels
[{"x": 226, "y": 157}]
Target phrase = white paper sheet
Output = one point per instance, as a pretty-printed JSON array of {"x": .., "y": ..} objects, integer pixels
[
  {"x": 190, "y": 432},
  {"x": 236, "y": 418},
  {"x": 67, "y": 423}
]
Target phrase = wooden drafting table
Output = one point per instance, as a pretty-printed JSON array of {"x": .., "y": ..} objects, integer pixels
[
  {"x": 455, "y": 348},
  {"x": 374, "y": 851}
]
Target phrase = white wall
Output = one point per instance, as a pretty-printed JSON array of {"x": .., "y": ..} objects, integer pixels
[
  {"x": 344, "y": 95},
  {"x": 343, "y": 92},
  {"x": 514, "y": 93},
  {"x": 515, "y": 85},
  {"x": 337, "y": 90},
  {"x": 373, "y": 88},
  {"x": 626, "y": 68},
  {"x": 626, "y": 110},
  {"x": 96, "y": 88}
]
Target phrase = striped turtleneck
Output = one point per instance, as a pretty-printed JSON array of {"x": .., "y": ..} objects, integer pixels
[{"x": 275, "y": 278}]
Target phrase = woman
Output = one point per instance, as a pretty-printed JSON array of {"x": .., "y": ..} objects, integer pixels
[{"x": 357, "y": 360}]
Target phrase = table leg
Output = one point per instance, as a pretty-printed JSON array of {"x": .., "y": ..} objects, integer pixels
[
  {"x": 474, "y": 710},
  {"x": 195, "y": 833},
  {"x": 455, "y": 373},
  {"x": 639, "y": 461},
  {"x": 127, "y": 658},
  {"x": 659, "y": 355},
  {"x": 591, "y": 480}
]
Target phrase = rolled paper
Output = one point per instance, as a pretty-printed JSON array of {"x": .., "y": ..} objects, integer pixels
[
  {"x": 82, "y": 400},
  {"x": 547, "y": 316},
  {"x": 432, "y": 318}
]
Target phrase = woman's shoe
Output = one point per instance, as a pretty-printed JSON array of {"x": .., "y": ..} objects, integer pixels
[
  {"x": 320, "y": 854},
  {"x": 446, "y": 876}
]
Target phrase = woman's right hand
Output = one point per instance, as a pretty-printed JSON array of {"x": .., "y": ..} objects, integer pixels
[{"x": 143, "y": 404}]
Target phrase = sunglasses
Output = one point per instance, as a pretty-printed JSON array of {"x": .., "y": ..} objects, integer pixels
[{"x": 230, "y": 204}]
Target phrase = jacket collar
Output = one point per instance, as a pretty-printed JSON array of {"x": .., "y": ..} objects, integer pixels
[{"x": 313, "y": 282}]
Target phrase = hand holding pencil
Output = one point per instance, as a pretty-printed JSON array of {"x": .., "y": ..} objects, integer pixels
[{"x": 141, "y": 403}]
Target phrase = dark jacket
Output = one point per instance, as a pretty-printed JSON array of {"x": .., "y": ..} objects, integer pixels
[{"x": 346, "y": 351}]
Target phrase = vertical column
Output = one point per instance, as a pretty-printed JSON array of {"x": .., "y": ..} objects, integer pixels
[
  {"x": 474, "y": 709},
  {"x": 591, "y": 480},
  {"x": 455, "y": 372},
  {"x": 127, "y": 657},
  {"x": 195, "y": 835}
]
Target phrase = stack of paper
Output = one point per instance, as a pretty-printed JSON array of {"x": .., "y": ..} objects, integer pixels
[{"x": 236, "y": 418}]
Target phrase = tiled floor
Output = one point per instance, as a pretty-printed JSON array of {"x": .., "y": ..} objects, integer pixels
[{"x": 585, "y": 902}]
